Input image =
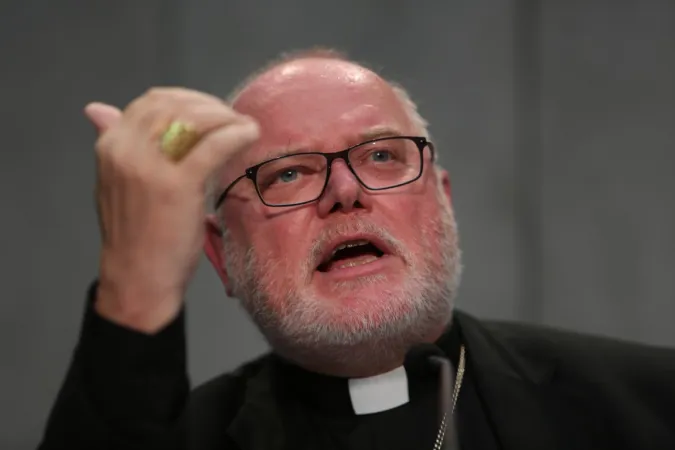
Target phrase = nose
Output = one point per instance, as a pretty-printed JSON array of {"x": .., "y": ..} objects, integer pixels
[{"x": 343, "y": 191}]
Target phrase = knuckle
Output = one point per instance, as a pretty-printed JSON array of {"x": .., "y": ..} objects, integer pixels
[
  {"x": 123, "y": 166},
  {"x": 147, "y": 101},
  {"x": 104, "y": 144},
  {"x": 212, "y": 116},
  {"x": 100, "y": 147},
  {"x": 155, "y": 92},
  {"x": 137, "y": 106},
  {"x": 170, "y": 93}
]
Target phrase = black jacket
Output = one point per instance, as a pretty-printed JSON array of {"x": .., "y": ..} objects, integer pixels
[{"x": 544, "y": 389}]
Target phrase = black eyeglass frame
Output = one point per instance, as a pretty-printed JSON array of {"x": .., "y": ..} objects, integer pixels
[{"x": 252, "y": 172}]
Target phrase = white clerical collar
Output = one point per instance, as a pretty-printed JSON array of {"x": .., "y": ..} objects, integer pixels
[{"x": 379, "y": 393}]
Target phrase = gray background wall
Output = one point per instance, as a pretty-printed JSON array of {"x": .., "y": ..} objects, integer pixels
[{"x": 556, "y": 120}]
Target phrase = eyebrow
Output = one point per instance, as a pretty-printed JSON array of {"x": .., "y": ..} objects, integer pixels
[
  {"x": 379, "y": 131},
  {"x": 285, "y": 151},
  {"x": 376, "y": 132}
]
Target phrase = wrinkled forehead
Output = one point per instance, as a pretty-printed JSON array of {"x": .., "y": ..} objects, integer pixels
[{"x": 319, "y": 104}]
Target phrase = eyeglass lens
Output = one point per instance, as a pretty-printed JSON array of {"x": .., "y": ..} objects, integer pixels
[{"x": 301, "y": 178}]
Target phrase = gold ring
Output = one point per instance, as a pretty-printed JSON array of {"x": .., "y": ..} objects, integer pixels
[{"x": 178, "y": 140}]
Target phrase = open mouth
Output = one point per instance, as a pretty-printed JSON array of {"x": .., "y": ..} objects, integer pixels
[{"x": 350, "y": 254}]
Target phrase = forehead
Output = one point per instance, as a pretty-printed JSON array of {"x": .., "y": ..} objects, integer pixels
[{"x": 319, "y": 104}]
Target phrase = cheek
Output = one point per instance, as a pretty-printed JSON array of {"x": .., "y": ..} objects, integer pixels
[
  {"x": 408, "y": 214},
  {"x": 281, "y": 237},
  {"x": 418, "y": 228}
]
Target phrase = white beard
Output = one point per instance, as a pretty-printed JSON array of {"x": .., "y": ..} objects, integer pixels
[{"x": 318, "y": 333}]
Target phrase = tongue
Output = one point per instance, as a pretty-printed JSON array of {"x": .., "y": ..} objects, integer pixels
[{"x": 349, "y": 262}]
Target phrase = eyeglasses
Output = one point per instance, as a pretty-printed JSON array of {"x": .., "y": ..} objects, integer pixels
[{"x": 301, "y": 178}]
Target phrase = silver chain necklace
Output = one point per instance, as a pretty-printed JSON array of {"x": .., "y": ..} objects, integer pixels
[{"x": 455, "y": 394}]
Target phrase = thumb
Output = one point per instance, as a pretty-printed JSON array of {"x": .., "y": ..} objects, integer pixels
[{"x": 103, "y": 116}]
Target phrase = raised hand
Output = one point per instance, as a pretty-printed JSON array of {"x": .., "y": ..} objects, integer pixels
[{"x": 152, "y": 208}]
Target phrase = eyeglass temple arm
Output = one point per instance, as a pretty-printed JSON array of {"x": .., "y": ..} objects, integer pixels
[{"x": 222, "y": 196}]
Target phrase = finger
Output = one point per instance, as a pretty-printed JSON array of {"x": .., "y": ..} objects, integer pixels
[
  {"x": 180, "y": 92},
  {"x": 202, "y": 117},
  {"x": 216, "y": 148},
  {"x": 163, "y": 97},
  {"x": 103, "y": 116}
]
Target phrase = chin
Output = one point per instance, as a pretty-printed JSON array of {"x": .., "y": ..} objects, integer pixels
[
  {"x": 354, "y": 288},
  {"x": 360, "y": 304},
  {"x": 365, "y": 293}
]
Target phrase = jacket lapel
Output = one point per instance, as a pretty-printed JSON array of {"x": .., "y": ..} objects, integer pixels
[
  {"x": 257, "y": 425},
  {"x": 514, "y": 388}
]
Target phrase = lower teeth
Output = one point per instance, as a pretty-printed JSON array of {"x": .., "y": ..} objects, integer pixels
[{"x": 358, "y": 262}]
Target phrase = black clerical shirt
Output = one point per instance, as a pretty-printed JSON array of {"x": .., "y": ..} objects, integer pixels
[{"x": 525, "y": 388}]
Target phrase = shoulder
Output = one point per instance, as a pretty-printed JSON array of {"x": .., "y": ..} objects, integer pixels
[
  {"x": 616, "y": 390},
  {"x": 613, "y": 374},
  {"x": 593, "y": 352}
]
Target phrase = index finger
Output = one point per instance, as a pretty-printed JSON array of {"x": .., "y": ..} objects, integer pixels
[{"x": 218, "y": 146}]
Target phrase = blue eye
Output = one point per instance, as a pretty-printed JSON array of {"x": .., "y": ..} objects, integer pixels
[
  {"x": 381, "y": 156},
  {"x": 288, "y": 175}
]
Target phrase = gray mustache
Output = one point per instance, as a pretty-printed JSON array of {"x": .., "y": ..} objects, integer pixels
[{"x": 336, "y": 231}]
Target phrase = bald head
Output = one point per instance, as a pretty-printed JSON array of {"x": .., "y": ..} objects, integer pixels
[
  {"x": 320, "y": 63},
  {"x": 305, "y": 75},
  {"x": 326, "y": 90}
]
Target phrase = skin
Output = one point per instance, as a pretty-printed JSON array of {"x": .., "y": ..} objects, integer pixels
[
  {"x": 151, "y": 210},
  {"x": 327, "y": 105}
]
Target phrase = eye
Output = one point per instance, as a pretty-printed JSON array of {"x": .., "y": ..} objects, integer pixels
[
  {"x": 381, "y": 156},
  {"x": 288, "y": 175}
]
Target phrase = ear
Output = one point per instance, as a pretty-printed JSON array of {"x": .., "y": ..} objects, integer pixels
[
  {"x": 444, "y": 179},
  {"x": 213, "y": 247}
]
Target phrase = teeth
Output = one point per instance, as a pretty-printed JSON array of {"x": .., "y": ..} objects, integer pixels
[
  {"x": 348, "y": 245},
  {"x": 358, "y": 262}
]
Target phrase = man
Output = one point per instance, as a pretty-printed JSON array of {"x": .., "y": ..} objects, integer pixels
[{"x": 334, "y": 227}]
